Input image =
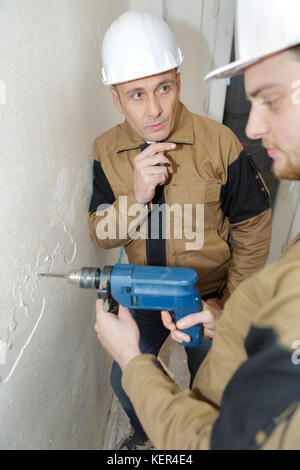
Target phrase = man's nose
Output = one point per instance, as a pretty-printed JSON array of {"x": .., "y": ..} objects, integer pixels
[
  {"x": 257, "y": 126},
  {"x": 154, "y": 107}
]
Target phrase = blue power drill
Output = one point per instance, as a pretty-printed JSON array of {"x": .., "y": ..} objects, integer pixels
[{"x": 145, "y": 288}]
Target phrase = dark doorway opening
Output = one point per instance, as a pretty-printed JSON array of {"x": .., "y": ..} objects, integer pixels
[{"x": 236, "y": 114}]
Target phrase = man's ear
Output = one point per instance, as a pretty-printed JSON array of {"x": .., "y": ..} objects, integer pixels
[
  {"x": 178, "y": 81},
  {"x": 116, "y": 99}
]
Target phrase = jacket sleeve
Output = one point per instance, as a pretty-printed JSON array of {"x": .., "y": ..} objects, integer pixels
[
  {"x": 172, "y": 418},
  {"x": 245, "y": 201},
  {"x": 113, "y": 221}
]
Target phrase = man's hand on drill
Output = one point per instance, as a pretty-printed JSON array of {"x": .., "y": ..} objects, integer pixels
[
  {"x": 208, "y": 318},
  {"x": 119, "y": 334},
  {"x": 147, "y": 172}
]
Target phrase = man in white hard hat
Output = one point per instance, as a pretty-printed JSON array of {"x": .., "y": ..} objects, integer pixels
[{"x": 165, "y": 156}]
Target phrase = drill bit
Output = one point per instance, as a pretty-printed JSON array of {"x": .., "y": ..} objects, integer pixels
[
  {"x": 87, "y": 278},
  {"x": 54, "y": 275}
]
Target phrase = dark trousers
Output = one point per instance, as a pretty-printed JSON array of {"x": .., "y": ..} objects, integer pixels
[{"x": 153, "y": 334}]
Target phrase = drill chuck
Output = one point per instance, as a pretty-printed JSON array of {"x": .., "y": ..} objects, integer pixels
[{"x": 87, "y": 278}]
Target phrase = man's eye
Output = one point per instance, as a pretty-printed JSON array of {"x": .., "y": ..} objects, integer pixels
[
  {"x": 269, "y": 103},
  {"x": 137, "y": 96},
  {"x": 164, "y": 89}
]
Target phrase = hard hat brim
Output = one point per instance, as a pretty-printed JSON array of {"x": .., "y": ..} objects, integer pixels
[
  {"x": 135, "y": 77},
  {"x": 238, "y": 67},
  {"x": 230, "y": 70}
]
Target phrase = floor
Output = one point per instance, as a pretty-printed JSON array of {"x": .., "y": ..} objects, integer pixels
[{"x": 118, "y": 424}]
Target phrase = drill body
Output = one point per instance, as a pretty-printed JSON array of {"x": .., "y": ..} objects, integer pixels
[{"x": 151, "y": 288}]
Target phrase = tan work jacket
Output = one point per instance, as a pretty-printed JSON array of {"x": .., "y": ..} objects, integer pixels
[
  {"x": 214, "y": 176},
  {"x": 246, "y": 393}
]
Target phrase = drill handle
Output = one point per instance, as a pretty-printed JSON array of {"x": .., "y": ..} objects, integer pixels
[
  {"x": 110, "y": 304},
  {"x": 194, "y": 332}
]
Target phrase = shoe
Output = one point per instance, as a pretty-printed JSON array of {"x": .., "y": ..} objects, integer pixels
[{"x": 134, "y": 441}]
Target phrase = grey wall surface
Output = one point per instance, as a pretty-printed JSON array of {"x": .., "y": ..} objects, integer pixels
[{"x": 54, "y": 375}]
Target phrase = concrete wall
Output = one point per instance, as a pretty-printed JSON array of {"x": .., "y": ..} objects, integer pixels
[{"x": 54, "y": 385}]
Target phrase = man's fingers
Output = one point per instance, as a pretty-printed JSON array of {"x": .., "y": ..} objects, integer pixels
[
  {"x": 155, "y": 148},
  {"x": 152, "y": 161},
  {"x": 99, "y": 307},
  {"x": 124, "y": 312},
  {"x": 99, "y": 303},
  {"x": 167, "y": 320},
  {"x": 99, "y": 311},
  {"x": 194, "y": 319},
  {"x": 100, "y": 315},
  {"x": 207, "y": 333},
  {"x": 180, "y": 337},
  {"x": 154, "y": 170}
]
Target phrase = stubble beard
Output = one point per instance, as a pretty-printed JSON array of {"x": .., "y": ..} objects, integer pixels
[{"x": 291, "y": 170}]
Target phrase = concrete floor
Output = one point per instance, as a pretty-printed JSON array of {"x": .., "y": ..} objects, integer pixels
[{"x": 118, "y": 424}]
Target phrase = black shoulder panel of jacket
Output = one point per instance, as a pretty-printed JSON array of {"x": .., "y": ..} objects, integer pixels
[
  {"x": 262, "y": 389},
  {"x": 102, "y": 192},
  {"x": 245, "y": 194}
]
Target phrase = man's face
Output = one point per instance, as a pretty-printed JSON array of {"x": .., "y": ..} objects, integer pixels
[
  {"x": 149, "y": 104},
  {"x": 273, "y": 86}
]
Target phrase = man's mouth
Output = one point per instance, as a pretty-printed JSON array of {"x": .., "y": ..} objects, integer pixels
[
  {"x": 272, "y": 151},
  {"x": 157, "y": 126}
]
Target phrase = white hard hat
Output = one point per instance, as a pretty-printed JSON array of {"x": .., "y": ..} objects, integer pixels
[
  {"x": 263, "y": 28},
  {"x": 137, "y": 45}
]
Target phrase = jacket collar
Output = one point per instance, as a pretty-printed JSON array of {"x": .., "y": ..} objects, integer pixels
[{"x": 182, "y": 133}]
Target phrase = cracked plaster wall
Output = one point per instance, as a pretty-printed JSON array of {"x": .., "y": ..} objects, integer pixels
[{"x": 54, "y": 376}]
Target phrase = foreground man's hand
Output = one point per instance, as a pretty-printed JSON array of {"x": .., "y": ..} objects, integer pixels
[
  {"x": 119, "y": 334},
  {"x": 208, "y": 317},
  {"x": 147, "y": 174}
]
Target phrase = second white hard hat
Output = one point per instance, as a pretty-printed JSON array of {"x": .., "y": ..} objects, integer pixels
[
  {"x": 137, "y": 45},
  {"x": 263, "y": 28}
]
